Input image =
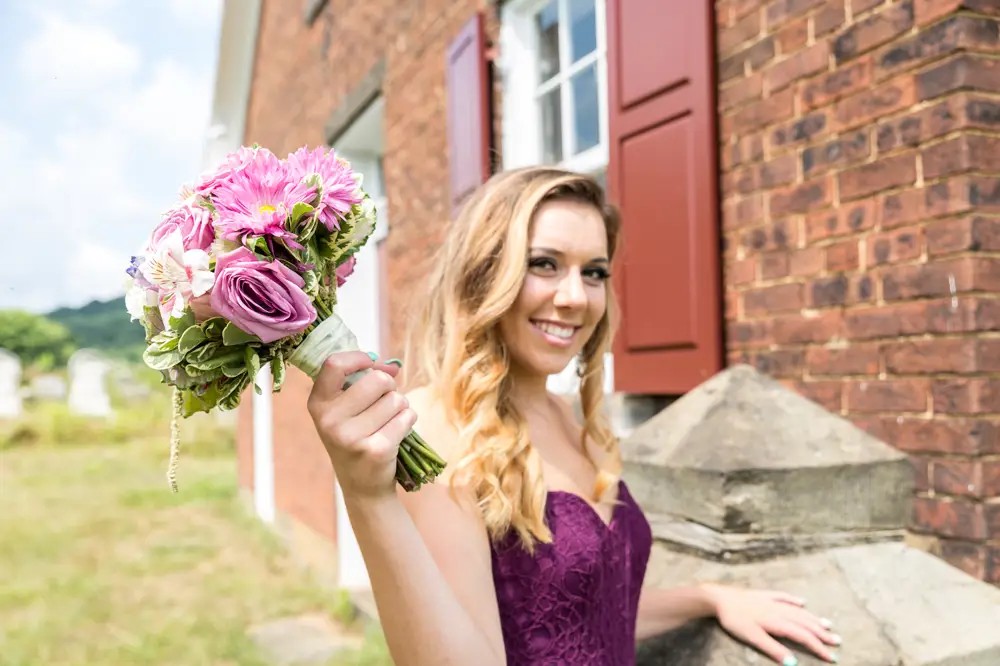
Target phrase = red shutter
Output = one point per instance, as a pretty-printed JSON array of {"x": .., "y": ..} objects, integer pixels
[
  {"x": 469, "y": 112},
  {"x": 663, "y": 175}
]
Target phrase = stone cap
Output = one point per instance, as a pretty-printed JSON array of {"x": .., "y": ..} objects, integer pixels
[{"x": 742, "y": 454}]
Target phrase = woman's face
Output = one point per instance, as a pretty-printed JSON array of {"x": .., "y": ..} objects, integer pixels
[{"x": 564, "y": 295}]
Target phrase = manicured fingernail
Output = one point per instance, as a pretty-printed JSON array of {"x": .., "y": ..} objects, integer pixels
[
  {"x": 373, "y": 356},
  {"x": 836, "y": 639},
  {"x": 396, "y": 362},
  {"x": 825, "y": 622},
  {"x": 790, "y": 660},
  {"x": 834, "y": 658}
]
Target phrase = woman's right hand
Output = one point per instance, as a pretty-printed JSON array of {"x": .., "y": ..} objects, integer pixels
[{"x": 361, "y": 426}]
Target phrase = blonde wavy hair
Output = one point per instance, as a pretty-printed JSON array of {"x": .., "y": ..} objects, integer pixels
[{"x": 455, "y": 348}]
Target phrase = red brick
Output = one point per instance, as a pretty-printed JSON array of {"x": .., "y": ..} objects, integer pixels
[
  {"x": 966, "y": 556},
  {"x": 842, "y": 256},
  {"x": 770, "y": 300},
  {"x": 964, "y": 234},
  {"x": 935, "y": 200},
  {"x": 862, "y": 6},
  {"x": 876, "y": 102},
  {"x": 991, "y": 478},
  {"x": 839, "y": 83},
  {"x": 792, "y": 38},
  {"x": 806, "y": 262},
  {"x": 780, "y": 235},
  {"x": 749, "y": 333},
  {"x": 937, "y": 355},
  {"x": 799, "y": 131},
  {"x": 826, "y": 394},
  {"x": 844, "y": 150},
  {"x": 778, "y": 171},
  {"x": 969, "y": 152},
  {"x": 782, "y": 11},
  {"x": 949, "y": 517},
  {"x": 942, "y": 436},
  {"x": 740, "y": 90},
  {"x": 919, "y": 127},
  {"x": 744, "y": 30},
  {"x": 956, "y": 33},
  {"x": 956, "y": 477},
  {"x": 825, "y": 292},
  {"x": 874, "y": 30},
  {"x": 800, "y": 64},
  {"x": 774, "y": 265},
  {"x": 742, "y": 271},
  {"x": 848, "y": 219},
  {"x": 798, "y": 328},
  {"x": 883, "y": 174},
  {"x": 801, "y": 198},
  {"x": 858, "y": 359},
  {"x": 992, "y": 514},
  {"x": 892, "y": 395},
  {"x": 966, "y": 71},
  {"x": 895, "y": 246},
  {"x": 992, "y": 574},
  {"x": 928, "y": 11},
  {"x": 775, "y": 363},
  {"x": 860, "y": 289},
  {"x": 966, "y": 395},
  {"x": 921, "y": 472},
  {"x": 943, "y": 278},
  {"x": 763, "y": 112},
  {"x": 753, "y": 57},
  {"x": 829, "y": 18}
]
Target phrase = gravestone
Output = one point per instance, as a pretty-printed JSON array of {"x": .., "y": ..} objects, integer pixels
[
  {"x": 47, "y": 387},
  {"x": 10, "y": 385},
  {"x": 88, "y": 391}
]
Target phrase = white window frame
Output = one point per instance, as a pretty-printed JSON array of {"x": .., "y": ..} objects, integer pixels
[{"x": 522, "y": 132}]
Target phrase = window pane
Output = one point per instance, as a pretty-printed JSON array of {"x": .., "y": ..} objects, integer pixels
[
  {"x": 582, "y": 28},
  {"x": 547, "y": 27},
  {"x": 586, "y": 123},
  {"x": 551, "y": 127}
]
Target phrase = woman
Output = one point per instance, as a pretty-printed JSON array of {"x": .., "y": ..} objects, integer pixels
[{"x": 529, "y": 550}]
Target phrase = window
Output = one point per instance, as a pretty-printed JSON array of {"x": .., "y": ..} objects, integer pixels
[{"x": 554, "y": 84}]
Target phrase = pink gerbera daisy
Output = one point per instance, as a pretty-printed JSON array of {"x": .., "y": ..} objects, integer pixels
[
  {"x": 337, "y": 181},
  {"x": 255, "y": 201}
]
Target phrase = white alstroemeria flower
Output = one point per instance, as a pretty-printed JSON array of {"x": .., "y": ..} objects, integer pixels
[{"x": 178, "y": 274}]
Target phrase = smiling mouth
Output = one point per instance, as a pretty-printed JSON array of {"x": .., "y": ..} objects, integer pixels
[{"x": 559, "y": 332}]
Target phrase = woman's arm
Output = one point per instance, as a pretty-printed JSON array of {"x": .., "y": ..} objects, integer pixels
[
  {"x": 755, "y": 617},
  {"x": 427, "y": 554},
  {"x": 662, "y": 610}
]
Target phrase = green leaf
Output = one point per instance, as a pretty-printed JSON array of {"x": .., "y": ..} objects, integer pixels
[
  {"x": 300, "y": 209},
  {"x": 233, "y": 335},
  {"x": 190, "y": 339},
  {"x": 218, "y": 361},
  {"x": 184, "y": 322},
  {"x": 278, "y": 371},
  {"x": 213, "y": 328},
  {"x": 158, "y": 359},
  {"x": 252, "y": 361},
  {"x": 312, "y": 283}
]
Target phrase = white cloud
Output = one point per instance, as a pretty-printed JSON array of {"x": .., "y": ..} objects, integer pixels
[
  {"x": 99, "y": 267},
  {"x": 198, "y": 11},
  {"x": 172, "y": 107},
  {"x": 68, "y": 58}
]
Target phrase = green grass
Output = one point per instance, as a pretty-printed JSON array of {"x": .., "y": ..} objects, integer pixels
[{"x": 101, "y": 564}]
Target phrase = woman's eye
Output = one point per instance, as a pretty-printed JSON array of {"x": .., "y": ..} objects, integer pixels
[
  {"x": 543, "y": 263},
  {"x": 600, "y": 274}
]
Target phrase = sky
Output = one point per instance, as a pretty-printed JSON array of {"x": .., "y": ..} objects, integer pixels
[{"x": 105, "y": 104}]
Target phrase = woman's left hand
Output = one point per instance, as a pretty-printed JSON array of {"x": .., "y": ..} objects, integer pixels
[{"x": 758, "y": 617}]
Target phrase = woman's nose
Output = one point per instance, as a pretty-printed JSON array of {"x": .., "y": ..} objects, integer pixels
[{"x": 571, "y": 293}]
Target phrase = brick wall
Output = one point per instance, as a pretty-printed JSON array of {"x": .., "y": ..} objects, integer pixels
[{"x": 860, "y": 149}]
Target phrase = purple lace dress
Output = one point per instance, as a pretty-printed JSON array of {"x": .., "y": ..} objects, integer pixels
[{"x": 575, "y": 601}]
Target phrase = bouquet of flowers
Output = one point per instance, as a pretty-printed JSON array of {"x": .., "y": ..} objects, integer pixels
[{"x": 243, "y": 272}]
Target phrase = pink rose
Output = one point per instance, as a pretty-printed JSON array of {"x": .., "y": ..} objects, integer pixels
[
  {"x": 345, "y": 270},
  {"x": 264, "y": 298},
  {"x": 194, "y": 224}
]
